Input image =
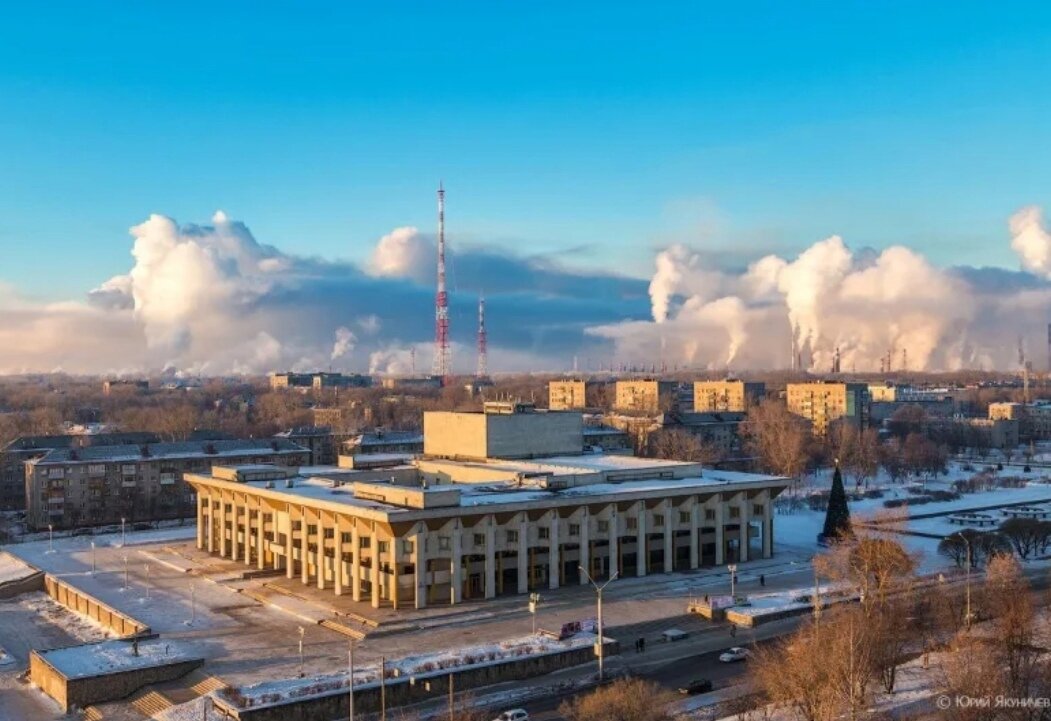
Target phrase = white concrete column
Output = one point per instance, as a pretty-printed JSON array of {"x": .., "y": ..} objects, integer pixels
[
  {"x": 642, "y": 555},
  {"x": 322, "y": 551},
  {"x": 746, "y": 507},
  {"x": 523, "y": 554},
  {"x": 490, "y": 556},
  {"x": 392, "y": 579},
  {"x": 419, "y": 563},
  {"x": 235, "y": 546},
  {"x": 456, "y": 565},
  {"x": 260, "y": 534},
  {"x": 768, "y": 527},
  {"x": 614, "y": 541},
  {"x": 248, "y": 532},
  {"x": 585, "y": 543},
  {"x": 720, "y": 539},
  {"x": 374, "y": 570},
  {"x": 695, "y": 525},
  {"x": 554, "y": 558},
  {"x": 337, "y": 559},
  {"x": 222, "y": 525},
  {"x": 669, "y": 548},
  {"x": 304, "y": 547},
  {"x": 355, "y": 564},
  {"x": 289, "y": 561},
  {"x": 200, "y": 520}
]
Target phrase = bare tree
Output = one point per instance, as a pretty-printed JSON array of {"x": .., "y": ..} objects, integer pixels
[
  {"x": 676, "y": 444},
  {"x": 1027, "y": 535},
  {"x": 624, "y": 700},
  {"x": 777, "y": 438}
]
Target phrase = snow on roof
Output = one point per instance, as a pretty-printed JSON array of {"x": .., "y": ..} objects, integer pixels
[
  {"x": 115, "y": 655},
  {"x": 13, "y": 569},
  {"x": 184, "y": 449}
]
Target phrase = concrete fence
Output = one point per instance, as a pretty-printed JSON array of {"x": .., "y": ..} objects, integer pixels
[
  {"x": 404, "y": 690},
  {"x": 80, "y": 602}
]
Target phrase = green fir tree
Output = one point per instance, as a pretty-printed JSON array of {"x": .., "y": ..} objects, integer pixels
[{"x": 837, "y": 517}]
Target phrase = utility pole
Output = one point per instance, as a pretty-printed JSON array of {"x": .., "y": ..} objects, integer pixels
[
  {"x": 968, "y": 619},
  {"x": 534, "y": 604}
]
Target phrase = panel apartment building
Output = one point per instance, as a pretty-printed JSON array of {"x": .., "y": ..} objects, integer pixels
[
  {"x": 502, "y": 502},
  {"x": 646, "y": 396},
  {"x": 726, "y": 396},
  {"x": 822, "y": 403},
  {"x": 94, "y": 485}
]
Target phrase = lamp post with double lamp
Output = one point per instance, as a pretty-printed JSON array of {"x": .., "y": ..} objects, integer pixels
[
  {"x": 302, "y": 631},
  {"x": 600, "y": 649},
  {"x": 125, "y": 572},
  {"x": 147, "y": 582},
  {"x": 92, "y": 558},
  {"x": 732, "y": 568},
  {"x": 50, "y": 538},
  {"x": 534, "y": 604},
  {"x": 123, "y": 521}
]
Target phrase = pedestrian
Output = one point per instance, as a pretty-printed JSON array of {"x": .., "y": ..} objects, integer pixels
[
  {"x": 636, "y": 645},
  {"x": 762, "y": 580},
  {"x": 706, "y": 599},
  {"x": 733, "y": 630},
  {"x": 642, "y": 643}
]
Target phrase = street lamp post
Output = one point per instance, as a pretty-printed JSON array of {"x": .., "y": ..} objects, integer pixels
[
  {"x": 534, "y": 603},
  {"x": 193, "y": 602},
  {"x": 92, "y": 558},
  {"x": 351, "y": 700},
  {"x": 302, "y": 631},
  {"x": 50, "y": 538},
  {"x": 967, "y": 620},
  {"x": 125, "y": 572},
  {"x": 147, "y": 581},
  {"x": 122, "y": 534},
  {"x": 732, "y": 568},
  {"x": 600, "y": 649}
]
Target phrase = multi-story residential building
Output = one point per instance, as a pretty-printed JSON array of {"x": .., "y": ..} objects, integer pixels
[
  {"x": 379, "y": 441},
  {"x": 318, "y": 381},
  {"x": 94, "y": 485},
  {"x": 125, "y": 386},
  {"x": 822, "y": 403},
  {"x": 459, "y": 526},
  {"x": 890, "y": 393},
  {"x": 1034, "y": 419},
  {"x": 411, "y": 383},
  {"x": 606, "y": 439},
  {"x": 729, "y": 395},
  {"x": 577, "y": 395},
  {"x": 14, "y": 455},
  {"x": 718, "y": 429},
  {"x": 646, "y": 396},
  {"x": 323, "y": 443}
]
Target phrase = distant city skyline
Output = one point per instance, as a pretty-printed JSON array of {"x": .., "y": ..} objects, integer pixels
[{"x": 664, "y": 153}]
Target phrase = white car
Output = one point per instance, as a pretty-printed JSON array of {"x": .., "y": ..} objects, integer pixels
[
  {"x": 515, "y": 714},
  {"x": 734, "y": 654}
]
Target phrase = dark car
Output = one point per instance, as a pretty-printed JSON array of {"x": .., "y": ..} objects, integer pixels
[{"x": 698, "y": 685}]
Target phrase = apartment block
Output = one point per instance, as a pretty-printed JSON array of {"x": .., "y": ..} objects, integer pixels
[
  {"x": 646, "y": 396},
  {"x": 94, "y": 485},
  {"x": 726, "y": 396},
  {"x": 318, "y": 381},
  {"x": 822, "y": 403},
  {"x": 1034, "y": 419}
]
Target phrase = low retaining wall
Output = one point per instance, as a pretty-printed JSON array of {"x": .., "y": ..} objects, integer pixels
[
  {"x": 401, "y": 691},
  {"x": 82, "y": 692},
  {"x": 76, "y": 600},
  {"x": 34, "y": 582}
]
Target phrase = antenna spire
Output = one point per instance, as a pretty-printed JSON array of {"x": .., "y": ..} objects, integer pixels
[
  {"x": 483, "y": 340},
  {"x": 441, "y": 300}
]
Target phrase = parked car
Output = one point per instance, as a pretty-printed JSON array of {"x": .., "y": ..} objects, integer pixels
[
  {"x": 734, "y": 654},
  {"x": 698, "y": 685},
  {"x": 515, "y": 714}
]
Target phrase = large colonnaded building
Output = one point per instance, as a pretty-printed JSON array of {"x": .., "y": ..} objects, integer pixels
[{"x": 502, "y": 502}]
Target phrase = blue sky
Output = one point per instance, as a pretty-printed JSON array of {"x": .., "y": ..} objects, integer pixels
[{"x": 596, "y": 132}]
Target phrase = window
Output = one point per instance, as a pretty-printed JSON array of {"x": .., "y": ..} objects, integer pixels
[
  {"x": 443, "y": 543},
  {"x": 384, "y": 546},
  {"x": 632, "y": 523},
  {"x": 344, "y": 537},
  {"x": 735, "y": 512},
  {"x": 543, "y": 533},
  {"x": 56, "y": 473},
  {"x": 128, "y": 469},
  {"x": 684, "y": 516},
  {"x": 603, "y": 526},
  {"x": 330, "y": 533},
  {"x": 97, "y": 469},
  {"x": 512, "y": 536},
  {"x": 366, "y": 542},
  {"x": 479, "y": 539},
  {"x": 658, "y": 519},
  {"x": 757, "y": 509},
  {"x": 574, "y": 529},
  {"x": 408, "y": 547},
  {"x": 709, "y": 514}
]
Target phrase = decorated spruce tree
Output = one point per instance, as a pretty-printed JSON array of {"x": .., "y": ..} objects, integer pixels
[{"x": 837, "y": 517}]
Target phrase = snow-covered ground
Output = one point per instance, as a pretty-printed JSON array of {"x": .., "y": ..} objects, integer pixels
[
  {"x": 76, "y": 625},
  {"x": 117, "y": 655},
  {"x": 13, "y": 569}
]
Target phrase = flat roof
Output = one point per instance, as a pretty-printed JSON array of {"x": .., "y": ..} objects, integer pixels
[{"x": 128, "y": 453}]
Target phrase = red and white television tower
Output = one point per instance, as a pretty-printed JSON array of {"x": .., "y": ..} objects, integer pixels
[
  {"x": 441, "y": 301},
  {"x": 483, "y": 342}
]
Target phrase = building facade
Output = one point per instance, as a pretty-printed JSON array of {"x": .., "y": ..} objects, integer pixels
[
  {"x": 94, "y": 485},
  {"x": 318, "y": 381},
  {"x": 729, "y": 395},
  {"x": 645, "y": 396},
  {"x": 14, "y": 455},
  {"x": 439, "y": 531},
  {"x": 567, "y": 395},
  {"x": 823, "y": 403},
  {"x": 1034, "y": 419}
]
